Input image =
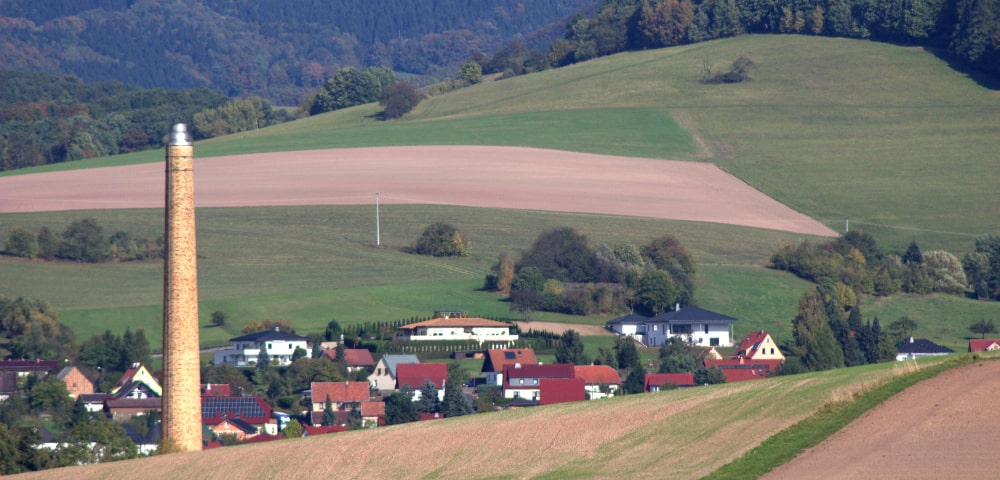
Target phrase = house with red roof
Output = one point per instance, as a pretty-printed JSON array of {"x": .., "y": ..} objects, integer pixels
[
  {"x": 250, "y": 409},
  {"x": 478, "y": 329},
  {"x": 310, "y": 430},
  {"x": 662, "y": 381},
  {"x": 759, "y": 346},
  {"x": 76, "y": 382},
  {"x": 414, "y": 375},
  {"x": 600, "y": 381},
  {"x": 344, "y": 396},
  {"x": 497, "y": 358},
  {"x": 372, "y": 414},
  {"x": 742, "y": 368},
  {"x": 561, "y": 390},
  {"x": 984, "y": 345},
  {"x": 215, "y": 390},
  {"x": 355, "y": 359},
  {"x": 383, "y": 377},
  {"x": 524, "y": 381}
]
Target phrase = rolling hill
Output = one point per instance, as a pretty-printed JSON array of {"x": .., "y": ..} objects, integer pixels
[{"x": 887, "y": 136}]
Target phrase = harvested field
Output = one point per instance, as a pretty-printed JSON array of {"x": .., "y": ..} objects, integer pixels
[
  {"x": 560, "y": 328},
  {"x": 944, "y": 427},
  {"x": 504, "y": 177}
]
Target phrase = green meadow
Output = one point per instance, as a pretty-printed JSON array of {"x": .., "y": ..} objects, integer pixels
[{"x": 888, "y": 137}]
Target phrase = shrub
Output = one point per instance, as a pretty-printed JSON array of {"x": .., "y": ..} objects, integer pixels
[
  {"x": 21, "y": 243},
  {"x": 442, "y": 240},
  {"x": 398, "y": 99}
]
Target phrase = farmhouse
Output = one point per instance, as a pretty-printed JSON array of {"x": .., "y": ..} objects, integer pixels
[
  {"x": 497, "y": 358},
  {"x": 600, "y": 381},
  {"x": 384, "y": 377},
  {"x": 524, "y": 381},
  {"x": 279, "y": 346},
  {"x": 355, "y": 359},
  {"x": 695, "y": 325},
  {"x": 342, "y": 395},
  {"x": 984, "y": 345},
  {"x": 478, "y": 329},
  {"x": 661, "y": 381},
  {"x": 76, "y": 382},
  {"x": 254, "y": 411},
  {"x": 416, "y": 375}
]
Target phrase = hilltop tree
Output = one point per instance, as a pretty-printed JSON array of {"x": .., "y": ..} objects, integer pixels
[
  {"x": 398, "y": 99},
  {"x": 913, "y": 254},
  {"x": 562, "y": 254},
  {"x": 442, "y": 240},
  {"x": 84, "y": 241},
  {"x": 983, "y": 327}
]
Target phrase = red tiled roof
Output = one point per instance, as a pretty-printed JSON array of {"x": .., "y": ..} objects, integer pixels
[
  {"x": 339, "y": 392},
  {"x": 747, "y": 346},
  {"x": 416, "y": 374},
  {"x": 36, "y": 365},
  {"x": 215, "y": 390},
  {"x": 497, "y": 358},
  {"x": 151, "y": 403},
  {"x": 372, "y": 409},
  {"x": 210, "y": 445},
  {"x": 310, "y": 431},
  {"x": 982, "y": 345},
  {"x": 431, "y": 416},
  {"x": 659, "y": 379},
  {"x": 740, "y": 369},
  {"x": 456, "y": 322},
  {"x": 264, "y": 438},
  {"x": 561, "y": 390},
  {"x": 552, "y": 370},
  {"x": 358, "y": 357},
  {"x": 597, "y": 374}
]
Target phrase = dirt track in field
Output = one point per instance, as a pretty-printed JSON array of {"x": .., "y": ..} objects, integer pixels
[
  {"x": 945, "y": 427},
  {"x": 502, "y": 177}
]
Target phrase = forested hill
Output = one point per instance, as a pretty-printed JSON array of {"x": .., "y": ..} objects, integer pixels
[{"x": 277, "y": 49}]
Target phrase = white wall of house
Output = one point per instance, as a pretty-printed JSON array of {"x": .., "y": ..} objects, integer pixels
[
  {"x": 594, "y": 391},
  {"x": 481, "y": 334},
  {"x": 701, "y": 334},
  {"x": 242, "y": 354}
]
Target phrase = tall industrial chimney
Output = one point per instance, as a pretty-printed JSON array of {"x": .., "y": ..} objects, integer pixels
[{"x": 181, "y": 362}]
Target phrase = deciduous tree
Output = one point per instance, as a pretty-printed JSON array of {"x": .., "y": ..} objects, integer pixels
[{"x": 399, "y": 99}]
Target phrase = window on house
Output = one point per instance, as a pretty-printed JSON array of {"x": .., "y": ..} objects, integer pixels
[
  {"x": 772, "y": 350},
  {"x": 270, "y": 346},
  {"x": 706, "y": 328},
  {"x": 714, "y": 341}
]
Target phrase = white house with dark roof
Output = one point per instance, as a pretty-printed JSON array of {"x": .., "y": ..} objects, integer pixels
[
  {"x": 693, "y": 324},
  {"x": 920, "y": 347},
  {"x": 280, "y": 347}
]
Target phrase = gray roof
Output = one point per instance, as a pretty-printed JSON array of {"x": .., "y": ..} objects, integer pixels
[
  {"x": 391, "y": 360},
  {"x": 684, "y": 315},
  {"x": 922, "y": 345},
  {"x": 692, "y": 315}
]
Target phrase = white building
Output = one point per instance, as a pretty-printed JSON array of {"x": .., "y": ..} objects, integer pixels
[
  {"x": 245, "y": 351},
  {"x": 697, "y": 326},
  {"x": 478, "y": 329}
]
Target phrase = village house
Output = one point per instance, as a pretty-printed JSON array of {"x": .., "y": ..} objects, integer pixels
[
  {"x": 756, "y": 357},
  {"x": 663, "y": 381},
  {"x": 477, "y": 329},
  {"x": 415, "y": 375},
  {"x": 696, "y": 326},
  {"x": 245, "y": 351},
  {"x": 344, "y": 396},
  {"x": 561, "y": 390},
  {"x": 984, "y": 345},
  {"x": 135, "y": 393},
  {"x": 920, "y": 347},
  {"x": 137, "y": 374},
  {"x": 497, "y": 358},
  {"x": 76, "y": 382},
  {"x": 383, "y": 377},
  {"x": 600, "y": 381},
  {"x": 252, "y": 410},
  {"x": 524, "y": 381},
  {"x": 355, "y": 359}
]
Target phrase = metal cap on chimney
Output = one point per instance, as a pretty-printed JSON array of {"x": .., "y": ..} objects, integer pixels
[{"x": 179, "y": 135}]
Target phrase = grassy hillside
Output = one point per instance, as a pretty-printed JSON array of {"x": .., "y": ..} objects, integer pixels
[
  {"x": 835, "y": 128},
  {"x": 685, "y": 433}
]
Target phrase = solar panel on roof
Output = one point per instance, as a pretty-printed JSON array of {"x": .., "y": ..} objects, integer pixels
[
  {"x": 509, "y": 355},
  {"x": 234, "y": 407}
]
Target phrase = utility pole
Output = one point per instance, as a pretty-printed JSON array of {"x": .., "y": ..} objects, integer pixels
[
  {"x": 378, "y": 233},
  {"x": 847, "y": 226}
]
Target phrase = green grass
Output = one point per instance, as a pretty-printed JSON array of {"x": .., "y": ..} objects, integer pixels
[
  {"x": 792, "y": 441},
  {"x": 889, "y": 137}
]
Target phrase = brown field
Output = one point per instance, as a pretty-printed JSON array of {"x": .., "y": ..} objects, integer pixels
[
  {"x": 504, "y": 177},
  {"x": 559, "y": 328},
  {"x": 945, "y": 427}
]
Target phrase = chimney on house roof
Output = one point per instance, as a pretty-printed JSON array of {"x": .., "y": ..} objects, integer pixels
[{"x": 677, "y": 307}]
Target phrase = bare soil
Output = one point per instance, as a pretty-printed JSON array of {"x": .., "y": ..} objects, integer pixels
[
  {"x": 502, "y": 177},
  {"x": 560, "y": 328},
  {"x": 945, "y": 427}
]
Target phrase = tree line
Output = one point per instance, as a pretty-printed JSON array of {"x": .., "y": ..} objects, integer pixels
[
  {"x": 267, "y": 48},
  {"x": 83, "y": 241},
  {"x": 562, "y": 272},
  {"x": 856, "y": 262}
]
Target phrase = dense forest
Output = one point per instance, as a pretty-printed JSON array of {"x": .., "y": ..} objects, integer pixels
[
  {"x": 964, "y": 30},
  {"x": 274, "y": 49}
]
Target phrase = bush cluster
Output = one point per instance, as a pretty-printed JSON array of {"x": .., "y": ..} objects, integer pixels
[{"x": 82, "y": 241}]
